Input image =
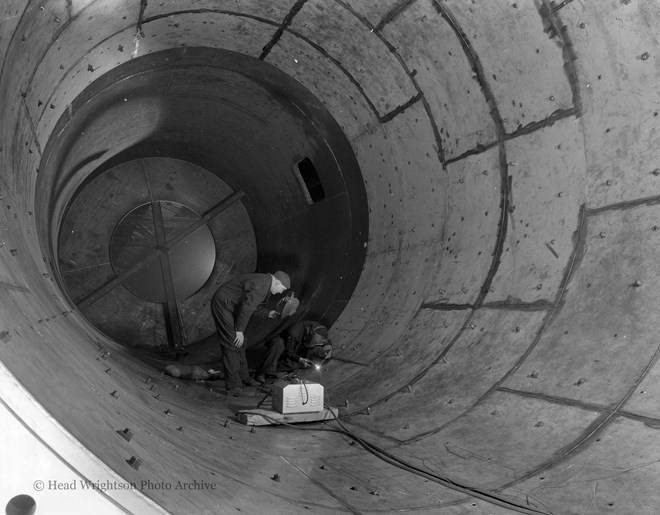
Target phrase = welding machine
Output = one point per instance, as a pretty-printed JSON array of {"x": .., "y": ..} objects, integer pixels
[{"x": 297, "y": 397}]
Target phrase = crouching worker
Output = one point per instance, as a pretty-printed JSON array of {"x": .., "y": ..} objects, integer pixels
[
  {"x": 298, "y": 346},
  {"x": 232, "y": 306}
]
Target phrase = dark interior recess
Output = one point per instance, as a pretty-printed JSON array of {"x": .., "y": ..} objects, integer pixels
[
  {"x": 245, "y": 124},
  {"x": 309, "y": 180}
]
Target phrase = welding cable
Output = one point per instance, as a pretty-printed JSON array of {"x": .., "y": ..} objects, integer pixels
[
  {"x": 263, "y": 400},
  {"x": 399, "y": 463},
  {"x": 306, "y": 397},
  {"x": 469, "y": 490}
]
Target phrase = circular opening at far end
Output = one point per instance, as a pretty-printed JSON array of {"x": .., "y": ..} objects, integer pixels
[
  {"x": 141, "y": 239},
  {"x": 262, "y": 133}
]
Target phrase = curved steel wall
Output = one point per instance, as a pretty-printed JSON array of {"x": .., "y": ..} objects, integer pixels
[{"x": 504, "y": 314}]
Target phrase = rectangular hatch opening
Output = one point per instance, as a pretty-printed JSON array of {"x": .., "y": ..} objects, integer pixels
[{"x": 309, "y": 180}]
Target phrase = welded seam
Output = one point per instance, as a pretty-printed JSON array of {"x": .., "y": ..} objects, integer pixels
[
  {"x": 140, "y": 20},
  {"x": 28, "y": 114},
  {"x": 538, "y": 305},
  {"x": 475, "y": 64},
  {"x": 34, "y": 71},
  {"x": 555, "y": 8},
  {"x": 440, "y": 151},
  {"x": 559, "y": 114},
  {"x": 321, "y": 486},
  {"x": 441, "y": 306},
  {"x": 266, "y": 21},
  {"x": 626, "y": 204},
  {"x": 411, "y": 246},
  {"x": 205, "y": 11},
  {"x": 33, "y": 128},
  {"x": 341, "y": 68},
  {"x": 479, "y": 149},
  {"x": 599, "y": 426},
  {"x": 284, "y": 25},
  {"x": 569, "y": 57},
  {"x": 393, "y": 14},
  {"x": 651, "y": 422},
  {"x": 110, "y": 36},
  {"x": 576, "y": 256},
  {"x": 403, "y": 107},
  {"x": 411, "y": 76},
  {"x": 477, "y": 68},
  {"x": 587, "y": 406},
  {"x": 11, "y": 286},
  {"x": 30, "y": 79},
  {"x": 548, "y": 14},
  {"x": 6, "y": 187},
  {"x": 418, "y": 97},
  {"x": 11, "y": 40},
  {"x": 388, "y": 116}
]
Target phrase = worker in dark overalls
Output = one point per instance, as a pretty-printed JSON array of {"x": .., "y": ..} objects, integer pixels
[
  {"x": 301, "y": 345},
  {"x": 232, "y": 306}
]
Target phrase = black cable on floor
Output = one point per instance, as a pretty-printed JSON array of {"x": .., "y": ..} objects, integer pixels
[
  {"x": 469, "y": 490},
  {"x": 399, "y": 463}
]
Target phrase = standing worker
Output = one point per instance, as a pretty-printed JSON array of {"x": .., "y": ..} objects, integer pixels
[{"x": 232, "y": 306}]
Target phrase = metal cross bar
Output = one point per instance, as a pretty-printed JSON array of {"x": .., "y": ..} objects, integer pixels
[
  {"x": 166, "y": 271},
  {"x": 152, "y": 254}
]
